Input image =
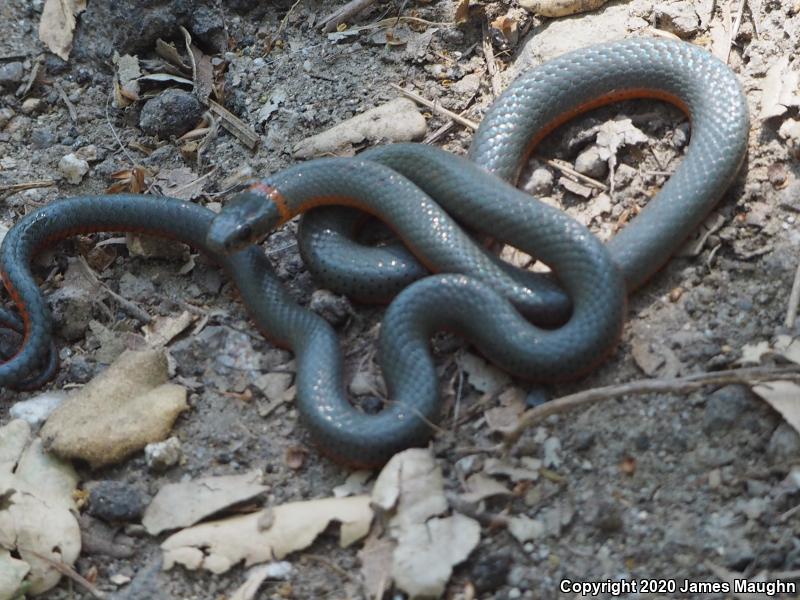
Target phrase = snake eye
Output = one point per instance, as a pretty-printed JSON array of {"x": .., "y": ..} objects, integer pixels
[{"x": 245, "y": 233}]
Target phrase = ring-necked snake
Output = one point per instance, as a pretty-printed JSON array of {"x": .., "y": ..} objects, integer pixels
[{"x": 471, "y": 293}]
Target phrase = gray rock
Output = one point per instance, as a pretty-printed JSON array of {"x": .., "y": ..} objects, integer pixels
[
  {"x": 6, "y": 114},
  {"x": 490, "y": 572},
  {"x": 679, "y": 18},
  {"x": 11, "y": 73},
  {"x": 171, "y": 113},
  {"x": 42, "y": 137},
  {"x": 608, "y": 516},
  {"x": 725, "y": 406},
  {"x": 149, "y": 584},
  {"x": 208, "y": 27},
  {"x": 36, "y": 410},
  {"x": 115, "y": 501},
  {"x": 160, "y": 456},
  {"x": 784, "y": 444},
  {"x": 589, "y": 162},
  {"x": 540, "y": 182},
  {"x": 334, "y": 309}
]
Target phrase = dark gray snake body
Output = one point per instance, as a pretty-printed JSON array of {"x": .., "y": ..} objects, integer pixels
[{"x": 424, "y": 194}]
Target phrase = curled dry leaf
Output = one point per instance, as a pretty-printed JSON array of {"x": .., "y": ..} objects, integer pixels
[
  {"x": 411, "y": 489},
  {"x": 560, "y": 8},
  {"x": 427, "y": 552},
  {"x": 219, "y": 545},
  {"x": 162, "y": 330},
  {"x": 783, "y": 396},
  {"x": 57, "y": 25},
  {"x": 398, "y": 121},
  {"x": 118, "y": 412},
  {"x": 37, "y": 512},
  {"x": 483, "y": 376},
  {"x": 480, "y": 486},
  {"x": 410, "y": 486},
  {"x": 185, "y": 503},
  {"x": 779, "y": 93},
  {"x": 128, "y": 180}
]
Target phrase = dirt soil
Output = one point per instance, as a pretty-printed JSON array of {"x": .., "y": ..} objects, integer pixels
[{"x": 665, "y": 486}]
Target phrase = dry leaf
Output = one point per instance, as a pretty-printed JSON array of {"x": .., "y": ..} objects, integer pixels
[
  {"x": 462, "y": 12},
  {"x": 524, "y": 528},
  {"x": 118, "y": 412},
  {"x": 783, "y": 396},
  {"x": 780, "y": 89},
  {"x": 162, "y": 330},
  {"x": 528, "y": 471},
  {"x": 353, "y": 485},
  {"x": 480, "y": 486},
  {"x": 427, "y": 552},
  {"x": 57, "y": 25},
  {"x": 788, "y": 347},
  {"x": 376, "y": 564},
  {"x": 411, "y": 485},
  {"x": 398, "y": 121},
  {"x": 185, "y": 503},
  {"x": 257, "y": 575},
  {"x": 273, "y": 533},
  {"x": 560, "y": 8},
  {"x": 128, "y": 180},
  {"x": 752, "y": 353},
  {"x": 484, "y": 377},
  {"x": 37, "y": 512}
]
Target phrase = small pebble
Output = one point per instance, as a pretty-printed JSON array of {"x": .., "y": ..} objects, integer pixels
[
  {"x": 540, "y": 182},
  {"x": 725, "y": 406},
  {"x": 11, "y": 73},
  {"x": 36, "y": 410},
  {"x": 171, "y": 113},
  {"x": 784, "y": 445},
  {"x": 334, "y": 309},
  {"x": 6, "y": 114},
  {"x": 31, "y": 105},
  {"x": 160, "y": 456},
  {"x": 115, "y": 501},
  {"x": 590, "y": 163},
  {"x": 73, "y": 168},
  {"x": 490, "y": 572}
]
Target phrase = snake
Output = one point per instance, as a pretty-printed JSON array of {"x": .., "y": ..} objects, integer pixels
[{"x": 539, "y": 327}]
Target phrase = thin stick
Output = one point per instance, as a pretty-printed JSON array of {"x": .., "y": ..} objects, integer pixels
[
  {"x": 568, "y": 170},
  {"x": 116, "y": 137},
  {"x": 436, "y": 108},
  {"x": 794, "y": 300},
  {"x": 340, "y": 15},
  {"x": 647, "y": 386},
  {"x": 491, "y": 63},
  {"x": 73, "y": 115},
  {"x": 128, "y": 306},
  {"x": 26, "y": 185},
  {"x": 65, "y": 569}
]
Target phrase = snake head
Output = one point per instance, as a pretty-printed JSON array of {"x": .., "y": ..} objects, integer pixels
[{"x": 245, "y": 220}]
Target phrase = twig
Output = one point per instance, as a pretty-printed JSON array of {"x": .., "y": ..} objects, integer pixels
[
  {"x": 116, "y": 137},
  {"x": 560, "y": 165},
  {"x": 67, "y": 570},
  {"x": 436, "y": 108},
  {"x": 647, "y": 386},
  {"x": 129, "y": 307},
  {"x": 285, "y": 19},
  {"x": 73, "y": 115},
  {"x": 234, "y": 125},
  {"x": 332, "y": 21},
  {"x": 26, "y": 185},
  {"x": 737, "y": 23},
  {"x": 794, "y": 300},
  {"x": 491, "y": 64}
]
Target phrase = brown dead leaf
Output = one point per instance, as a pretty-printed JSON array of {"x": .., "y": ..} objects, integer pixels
[
  {"x": 185, "y": 503},
  {"x": 560, "y": 8},
  {"x": 219, "y": 545},
  {"x": 628, "y": 465},
  {"x": 783, "y": 396},
  {"x": 462, "y": 12},
  {"x": 162, "y": 330},
  {"x": 128, "y": 181},
  {"x": 376, "y": 564},
  {"x": 57, "y": 25},
  {"x": 296, "y": 457}
]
